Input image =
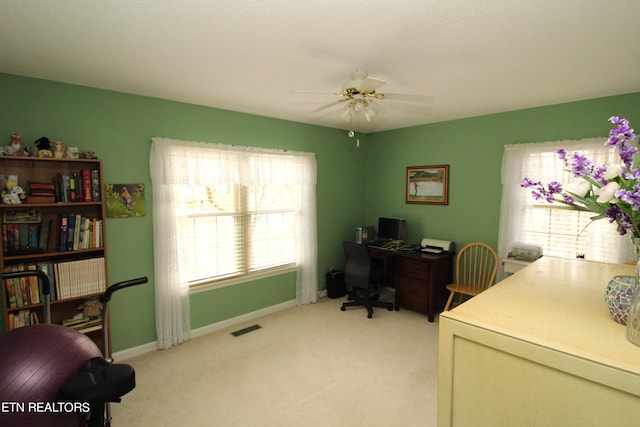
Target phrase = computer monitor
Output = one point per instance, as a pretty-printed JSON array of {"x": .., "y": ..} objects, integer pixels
[{"x": 392, "y": 228}]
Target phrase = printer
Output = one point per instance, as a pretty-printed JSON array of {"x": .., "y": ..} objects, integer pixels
[{"x": 437, "y": 246}]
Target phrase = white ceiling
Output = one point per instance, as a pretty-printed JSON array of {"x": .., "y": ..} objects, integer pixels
[{"x": 475, "y": 57}]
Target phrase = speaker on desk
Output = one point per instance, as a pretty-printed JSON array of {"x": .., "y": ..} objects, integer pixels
[{"x": 335, "y": 284}]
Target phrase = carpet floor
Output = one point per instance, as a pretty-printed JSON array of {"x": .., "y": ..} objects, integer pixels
[{"x": 310, "y": 365}]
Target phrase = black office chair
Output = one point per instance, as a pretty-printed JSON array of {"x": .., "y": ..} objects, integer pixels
[{"x": 362, "y": 278}]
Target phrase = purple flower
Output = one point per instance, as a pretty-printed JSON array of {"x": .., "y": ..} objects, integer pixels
[
  {"x": 630, "y": 196},
  {"x": 581, "y": 166},
  {"x": 554, "y": 187},
  {"x": 562, "y": 154},
  {"x": 615, "y": 214},
  {"x": 620, "y": 137},
  {"x": 526, "y": 183},
  {"x": 599, "y": 175}
]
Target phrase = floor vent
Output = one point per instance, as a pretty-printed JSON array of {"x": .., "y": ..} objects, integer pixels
[{"x": 246, "y": 330}]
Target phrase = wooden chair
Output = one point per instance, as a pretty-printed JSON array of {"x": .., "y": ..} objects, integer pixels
[{"x": 476, "y": 269}]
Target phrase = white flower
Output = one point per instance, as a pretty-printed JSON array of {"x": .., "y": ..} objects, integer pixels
[
  {"x": 580, "y": 188},
  {"x": 613, "y": 170},
  {"x": 606, "y": 193}
]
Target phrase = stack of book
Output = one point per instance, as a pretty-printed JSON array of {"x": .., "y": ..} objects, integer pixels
[
  {"x": 41, "y": 192},
  {"x": 84, "y": 324}
]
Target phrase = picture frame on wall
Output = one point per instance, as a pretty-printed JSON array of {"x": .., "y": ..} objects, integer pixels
[{"x": 427, "y": 185}]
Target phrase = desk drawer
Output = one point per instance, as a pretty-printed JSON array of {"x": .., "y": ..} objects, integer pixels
[
  {"x": 412, "y": 294},
  {"x": 412, "y": 268}
]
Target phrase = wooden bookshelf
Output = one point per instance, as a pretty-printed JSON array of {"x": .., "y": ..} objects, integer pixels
[{"x": 76, "y": 263}]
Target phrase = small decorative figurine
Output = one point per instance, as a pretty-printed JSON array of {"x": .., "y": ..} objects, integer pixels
[
  {"x": 16, "y": 145},
  {"x": 14, "y": 196},
  {"x": 58, "y": 149},
  {"x": 44, "y": 147},
  {"x": 73, "y": 153}
]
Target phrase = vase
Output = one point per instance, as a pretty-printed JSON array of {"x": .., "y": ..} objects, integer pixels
[
  {"x": 618, "y": 297},
  {"x": 633, "y": 320}
]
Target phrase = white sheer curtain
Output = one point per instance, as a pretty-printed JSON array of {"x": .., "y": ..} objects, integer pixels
[
  {"x": 538, "y": 161},
  {"x": 175, "y": 162}
]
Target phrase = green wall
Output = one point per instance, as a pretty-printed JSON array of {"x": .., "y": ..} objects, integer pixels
[
  {"x": 473, "y": 148},
  {"x": 119, "y": 128},
  {"x": 355, "y": 186}
]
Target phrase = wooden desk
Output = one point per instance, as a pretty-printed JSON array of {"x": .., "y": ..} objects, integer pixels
[
  {"x": 539, "y": 349},
  {"x": 419, "y": 279}
]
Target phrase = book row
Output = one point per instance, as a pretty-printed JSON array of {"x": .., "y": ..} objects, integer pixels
[
  {"x": 20, "y": 239},
  {"x": 69, "y": 279},
  {"x": 82, "y": 186},
  {"x": 22, "y": 318},
  {"x": 78, "y": 232},
  {"x": 28, "y": 317}
]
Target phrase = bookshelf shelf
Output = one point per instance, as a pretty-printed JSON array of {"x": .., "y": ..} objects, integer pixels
[{"x": 60, "y": 229}]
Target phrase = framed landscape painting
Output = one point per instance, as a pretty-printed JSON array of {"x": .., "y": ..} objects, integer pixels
[{"x": 427, "y": 185}]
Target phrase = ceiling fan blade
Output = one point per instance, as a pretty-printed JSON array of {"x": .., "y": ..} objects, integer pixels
[
  {"x": 304, "y": 92},
  {"x": 370, "y": 84},
  {"x": 408, "y": 97},
  {"x": 324, "y": 107}
]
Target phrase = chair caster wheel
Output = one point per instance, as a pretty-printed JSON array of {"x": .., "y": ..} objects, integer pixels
[
  {"x": 390, "y": 308},
  {"x": 342, "y": 309},
  {"x": 370, "y": 316}
]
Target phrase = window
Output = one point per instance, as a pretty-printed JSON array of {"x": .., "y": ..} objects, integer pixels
[
  {"x": 238, "y": 211},
  {"x": 559, "y": 231},
  {"x": 237, "y": 230}
]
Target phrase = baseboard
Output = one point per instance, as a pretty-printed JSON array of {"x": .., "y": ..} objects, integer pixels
[
  {"x": 153, "y": 346},
  {"x": 241, "y": 319}
]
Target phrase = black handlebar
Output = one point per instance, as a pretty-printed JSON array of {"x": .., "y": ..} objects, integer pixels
[{"x": 121, "y": 285}]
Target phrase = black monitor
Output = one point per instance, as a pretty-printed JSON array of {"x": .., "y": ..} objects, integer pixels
[{"x": 392, "y": 228}]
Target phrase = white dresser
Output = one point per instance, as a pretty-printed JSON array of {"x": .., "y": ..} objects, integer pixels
[{"x": 539, "y": 349}]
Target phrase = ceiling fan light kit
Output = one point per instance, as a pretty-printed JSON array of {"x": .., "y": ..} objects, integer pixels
[{"x": 357, "y": 96}]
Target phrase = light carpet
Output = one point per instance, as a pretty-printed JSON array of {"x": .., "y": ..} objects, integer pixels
[{"x": 310, "y": 365}]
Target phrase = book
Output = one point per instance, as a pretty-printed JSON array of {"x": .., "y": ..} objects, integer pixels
[
  {"x": 40, "y": 199},
  {"x": 64, "y": 227},
  {"x": 71, "y": 229},
  {"x": 95, "y": 185},
  {"x": 11, "y": 290},
  {"x": 34, "y": 285},
  {"x": 86, "y": 185},
  {"x": 43, "y": 240},
  {"x": 24, "y": 293},
  {"x": 73, "y": 195}
]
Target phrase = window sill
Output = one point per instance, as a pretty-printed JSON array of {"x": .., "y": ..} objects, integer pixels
[{"x": 207, "y": 286}]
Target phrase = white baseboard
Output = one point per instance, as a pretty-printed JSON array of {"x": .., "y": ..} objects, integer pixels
[{"x": 153, "y": 346}]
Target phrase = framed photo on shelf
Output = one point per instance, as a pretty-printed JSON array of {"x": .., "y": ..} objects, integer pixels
[{"x": 428, "y": 185}]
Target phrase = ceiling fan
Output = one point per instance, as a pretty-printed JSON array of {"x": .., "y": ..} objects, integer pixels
[{"x": 360, "y": 99}]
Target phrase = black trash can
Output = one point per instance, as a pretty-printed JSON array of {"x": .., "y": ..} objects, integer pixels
[{"x": 335, "y": 284}]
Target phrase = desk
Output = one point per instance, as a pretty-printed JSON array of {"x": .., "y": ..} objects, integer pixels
[
  {"x": 419, "y": 279},
  {"x": 539, "y": 348}
]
